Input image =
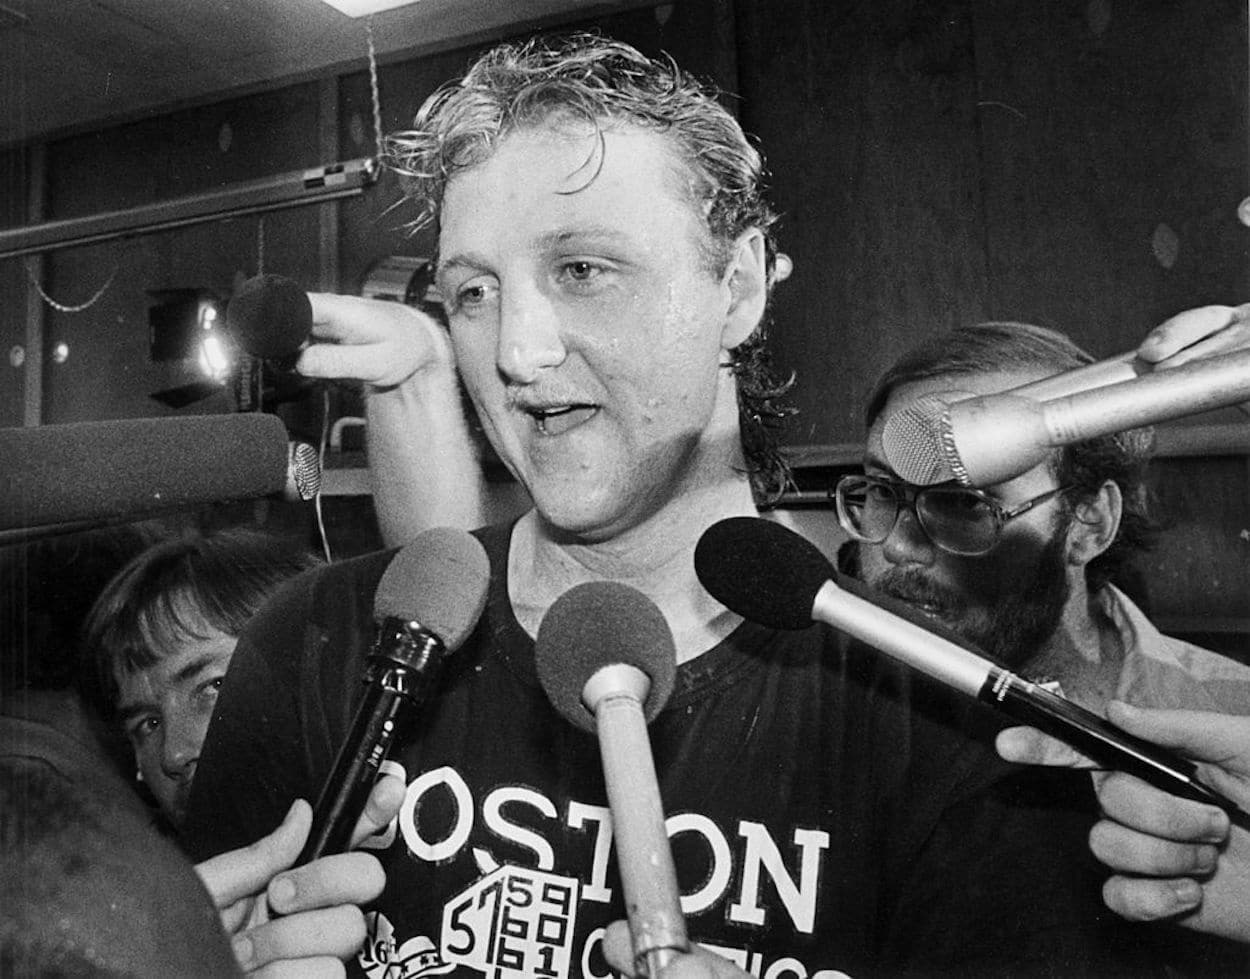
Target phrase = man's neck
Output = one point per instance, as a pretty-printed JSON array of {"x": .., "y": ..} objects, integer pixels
[
  {"x": 1085, "y": 653},
  {"x": 656, "y": 557}
]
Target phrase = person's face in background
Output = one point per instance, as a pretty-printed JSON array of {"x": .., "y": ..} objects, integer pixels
[
  {"x": 165, "y": 710},
  {"x": 1008, "y": 601},
  {"x": 589, "y": 323}
]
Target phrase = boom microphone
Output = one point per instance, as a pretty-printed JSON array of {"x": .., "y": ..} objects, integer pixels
[
  {"x": 100, "y": 471},
  {"x": 985, "y": 440},
  {"x": 771, "y": 575},
  {"x": 270, "y": 317},
  {"x": 606, "y": 659},
  {"x": 427, "y": 603}
]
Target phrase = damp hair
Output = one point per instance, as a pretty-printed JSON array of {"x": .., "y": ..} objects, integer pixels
[
  {"x": 1084, "y": 466},
  {"x": 584, "y": 80}
]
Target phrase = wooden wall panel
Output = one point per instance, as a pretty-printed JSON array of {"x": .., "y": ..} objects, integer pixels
[
  {"x": 865, "y": 113},
  {"x": 1114, "y": 143}
]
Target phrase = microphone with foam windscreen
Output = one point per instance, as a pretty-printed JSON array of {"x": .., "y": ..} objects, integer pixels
[
  {"x": 80, "y": 472},
  {"x": 981, "y": 441},
  {"x": 427, "y": 603},
  {"x": 771, "y": 575},
  {"x": 270, "y": 317},
  {"x": 606, "y": 660}
]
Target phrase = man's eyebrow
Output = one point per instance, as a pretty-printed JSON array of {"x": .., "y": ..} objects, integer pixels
[
  {"x": 191, "y": 669},
  {"x": 197, "y": 665},
  {"x": 875, "y": 461},
  {"x": 591, "y": 234},
  {"x": 457, "y": 262}
]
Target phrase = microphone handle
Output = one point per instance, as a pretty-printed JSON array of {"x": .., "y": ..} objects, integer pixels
[
  {"x": 643, "y": 852},
  {"x": 1026, "y": 702},
  {"x": 1114, "y": 370},
  {"x": 1108, "y": 745},
  {"x": 1201, "y": 385},
  {"x": 403, "y": 670},
  {"x": 347, "y": 788}
]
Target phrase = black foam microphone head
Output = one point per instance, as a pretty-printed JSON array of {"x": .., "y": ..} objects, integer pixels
[
  {"x": 762, "y": 571},
  {"x": 270, "y": 317},
  {"x": 439, "y": 579},
  {"x": 598, "y": 624}
]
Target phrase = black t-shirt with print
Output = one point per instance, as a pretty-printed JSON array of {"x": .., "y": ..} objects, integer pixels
[{"x": 830, "y": 812}]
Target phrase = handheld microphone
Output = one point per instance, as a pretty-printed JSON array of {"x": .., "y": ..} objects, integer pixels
[
  {"x": 427, "y": 603},
  {"x": 606, "y": 660},
  {"x": 771, "y": 575},
  {"x": 985, "y": 440},
  {"x": 81, "y": 472},
  {"x": 270, "y": 317}
]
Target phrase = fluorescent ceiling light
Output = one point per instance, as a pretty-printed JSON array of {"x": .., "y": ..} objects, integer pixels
[{"x": 362, "y": 8}]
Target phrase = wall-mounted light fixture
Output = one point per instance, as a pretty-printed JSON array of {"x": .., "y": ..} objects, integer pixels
[{"x": 314, "y": 186}]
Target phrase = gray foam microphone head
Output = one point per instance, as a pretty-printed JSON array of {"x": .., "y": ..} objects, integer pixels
[
  {"x": 600, "y": 624},
  {"x": 918, "y": 443},
  {"x": 439, "y": 579}
]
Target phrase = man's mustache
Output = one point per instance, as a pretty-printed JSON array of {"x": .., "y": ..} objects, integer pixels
[{"x": 913, "y": 587}]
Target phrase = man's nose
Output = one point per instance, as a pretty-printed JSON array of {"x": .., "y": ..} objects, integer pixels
[
  {"x": 184, "y": 737},
  {"x": 908, "y": 543},
  {"x": 529, "y": 335}
]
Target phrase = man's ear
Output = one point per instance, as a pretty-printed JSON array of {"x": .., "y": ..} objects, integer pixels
[
  {"x": 746, "y": 280},
  {"x": 1095, "y": 523}
]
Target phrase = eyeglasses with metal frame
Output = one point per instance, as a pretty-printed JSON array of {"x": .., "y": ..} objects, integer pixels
[{"x": 957, "y": 519}]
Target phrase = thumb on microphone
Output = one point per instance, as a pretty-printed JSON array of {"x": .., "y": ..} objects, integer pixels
[{"x": 1196, "y": 333}]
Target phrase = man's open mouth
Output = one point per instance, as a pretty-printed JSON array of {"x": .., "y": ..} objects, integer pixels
[{"x": 558, "y": 420}]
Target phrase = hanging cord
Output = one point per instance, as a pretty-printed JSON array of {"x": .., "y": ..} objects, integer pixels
[
  {"x": 373, "y": 87},
  {"x": 324, "y": 440},
  {"x": 61, "y": 307}
]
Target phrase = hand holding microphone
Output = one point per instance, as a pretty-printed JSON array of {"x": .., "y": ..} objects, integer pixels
[
  {"x": 427, "y": 603},
  {"x": 771, "y": 575},
  {"x": 333, "y": 337},
  {"x": 606, "y": 660}
]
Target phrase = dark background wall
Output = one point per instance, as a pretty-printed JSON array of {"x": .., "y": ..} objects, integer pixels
[{"x": 1076, "y": 163}]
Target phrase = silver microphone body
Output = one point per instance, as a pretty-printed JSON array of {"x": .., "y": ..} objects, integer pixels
[
  {"x": 981, "y": 441},
  {"x": 615, "y": 695}
]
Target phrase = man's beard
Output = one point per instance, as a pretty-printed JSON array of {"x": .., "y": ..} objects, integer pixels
[{"x": 1017, "y": 623}]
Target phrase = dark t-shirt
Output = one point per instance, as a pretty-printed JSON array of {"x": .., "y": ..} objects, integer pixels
[{"x": 830, "y": 813}]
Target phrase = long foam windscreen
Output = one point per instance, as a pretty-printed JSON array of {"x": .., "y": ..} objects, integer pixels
[
  {"x": 598, "y": 624},
  {"x": 439, "y": 579},
  {"x": 269, "y": 316},
  {"x": 104, "y": 470}
]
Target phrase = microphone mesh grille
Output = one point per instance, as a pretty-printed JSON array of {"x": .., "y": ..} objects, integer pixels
[
  {"x": 305, "y": 470},
  {"x": 915, "y": 440}
]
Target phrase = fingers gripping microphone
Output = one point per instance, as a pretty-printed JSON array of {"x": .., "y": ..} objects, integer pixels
[
  {"x": 771, "y": 575},
  {"x": 100, "y": 471},
  {"x": 985, "y": 440},
  {"x": 270, "y": 317},
  {"x": 606, "y": 660},
  {"x": 427, "y": 603}
]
